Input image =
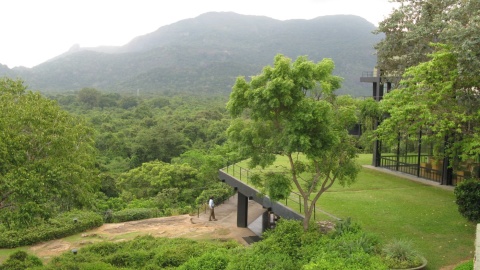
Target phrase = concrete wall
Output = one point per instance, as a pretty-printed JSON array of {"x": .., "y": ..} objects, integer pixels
[{"x": 253, "y": 194}]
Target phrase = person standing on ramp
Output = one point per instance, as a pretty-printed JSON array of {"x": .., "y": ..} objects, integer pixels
[{"x": 211, "y": 204}]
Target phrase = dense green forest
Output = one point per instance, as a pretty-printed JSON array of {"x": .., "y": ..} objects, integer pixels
[
  {"x": 107, "y": 153},
  {"x": 155, "y": 151}
]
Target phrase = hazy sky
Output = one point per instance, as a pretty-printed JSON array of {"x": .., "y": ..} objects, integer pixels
[{"x": 33, "y": 31}]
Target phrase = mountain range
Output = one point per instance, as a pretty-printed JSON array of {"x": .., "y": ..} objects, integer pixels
[{"x": 205, "y": 55}]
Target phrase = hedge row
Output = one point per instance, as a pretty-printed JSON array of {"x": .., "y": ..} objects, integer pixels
[
  {"x": 134, "y": 214},
  {"x": 66, "y": 224}
]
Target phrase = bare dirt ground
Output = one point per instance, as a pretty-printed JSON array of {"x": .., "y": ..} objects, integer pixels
[{"x": 185, "y": 226}]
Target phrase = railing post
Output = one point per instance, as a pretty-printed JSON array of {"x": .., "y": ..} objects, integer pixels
[{"x": 398, "y": 152}]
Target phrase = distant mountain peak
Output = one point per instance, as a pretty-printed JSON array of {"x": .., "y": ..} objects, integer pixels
[
  {"x": 74, "y": 48},
  {"x": 206, "y": 53}
]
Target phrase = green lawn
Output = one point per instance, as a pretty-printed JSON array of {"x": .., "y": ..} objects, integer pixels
[{"x": 396, "y": 208}]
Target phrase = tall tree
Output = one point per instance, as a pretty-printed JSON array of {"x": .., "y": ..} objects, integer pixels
[
  {"x": 152, "y": 178},
  {"x": 431, "y": 98},
  {"x": 440, "y": 88},
  {"x": 290, "y": 110},
  {"x": 412, "y": 26},
  {"x": 47, "y": 157}
]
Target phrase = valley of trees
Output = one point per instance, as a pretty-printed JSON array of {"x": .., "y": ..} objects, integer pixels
[{"x": 106, "y": 152}]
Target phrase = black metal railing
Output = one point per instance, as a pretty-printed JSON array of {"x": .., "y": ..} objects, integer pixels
[
  {"x": 294, "y": 200},
  {"x": 410, "y": 164}
]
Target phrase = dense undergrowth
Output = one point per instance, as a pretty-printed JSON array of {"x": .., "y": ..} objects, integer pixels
[{"x": 286, "y": 247}]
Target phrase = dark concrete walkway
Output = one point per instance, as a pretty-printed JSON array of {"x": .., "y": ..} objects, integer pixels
[{"x": 226, "y": 214}]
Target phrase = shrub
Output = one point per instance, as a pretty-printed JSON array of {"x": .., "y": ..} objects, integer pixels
[
  {"x": 400, "y": 254},
  {"x": 103, "y": 248},
  {"x": 467, "y": 195},
  {"x": 465, "y": 266},
  {"x": 216, "y": 260},
  {"x": 358, "y": 260},
  {"x": 286, "y": 237},
  {"x": 134, "y": 214},
  {"x": 177, "y": 252},
  {"x": 255, "y": 259},
  {"x": 345, "y": 226},
  {"x": 135, "y": 259},
  {"x": 63, "y": 225},
  {"x": 20, "y": 260}
]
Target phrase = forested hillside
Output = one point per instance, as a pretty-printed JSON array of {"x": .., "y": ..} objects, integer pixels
[{"x": 205, "y": 55}]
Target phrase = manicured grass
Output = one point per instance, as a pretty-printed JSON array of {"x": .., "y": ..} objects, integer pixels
[{"x": 393, "y": 207}]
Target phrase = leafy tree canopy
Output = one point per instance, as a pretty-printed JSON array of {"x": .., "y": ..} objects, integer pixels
[
  {"x": 431, "y": 97},
  {"x": 415, "y": 24},
  {"x": 152, "y": 178},
  {"x": 289, "y": 109},
  {"x": 47, "y": 157},
  {"x": 433, "y": 46}
]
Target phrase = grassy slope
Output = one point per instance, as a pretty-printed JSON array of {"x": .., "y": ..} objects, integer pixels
[{"x": 395, "y": 208}]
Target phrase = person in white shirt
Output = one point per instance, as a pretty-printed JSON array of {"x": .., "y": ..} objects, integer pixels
[{"x": 211, "y": 204}]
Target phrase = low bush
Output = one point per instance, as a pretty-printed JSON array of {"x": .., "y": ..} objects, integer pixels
[
  {"x": 66, "y": 224},
  {"x": 400, "y": 254},
  {"x": 467, "y": 195},
  {"x": 21, "y": 260},
  {"x": 358, "y": 260},
  {"x": 134, "y": 214},
  {"x": 465, "y": 266},
  {"x": 143, "y": 252},
  {"x": 216, "y": 260}
]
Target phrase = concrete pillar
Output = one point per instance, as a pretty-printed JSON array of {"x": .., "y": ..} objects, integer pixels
[
  {"x": 242, "y": 211},
  {"x": 265, "y": 221}
]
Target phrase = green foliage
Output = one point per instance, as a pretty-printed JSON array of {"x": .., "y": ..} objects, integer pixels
[
  {"x": 216, "y": 260},
  {"x": 465, "y": 266},
  {"x": 134, "y": 214},
  {"x": 346, "y": 226},
  {"x": 357, "y": 260},
  {"x": 277, "y": 185},
  {"x": 21, "y": 260},
  {"x": 400, "y": 254},
  {"x": 147, "y": 252},
  {"x": 63, "y": 225},
  {"x": 431, "y": 99},
  {"x": 153, "y": 177},
  {"x": 220, "y": 191},
  {"x": 47, "y": 158},
  {"x": 89, "y": 96},
  {"x": 290, "y": 110},
  {"x": 310, "y": 249},
  {"x": 262, "y": 260},
  {"x": 467, "y": 195},
  {"x": 413, "y": 25},
  {"x": 433, "y": 47},
  {"x": 287, "y": 237}
]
